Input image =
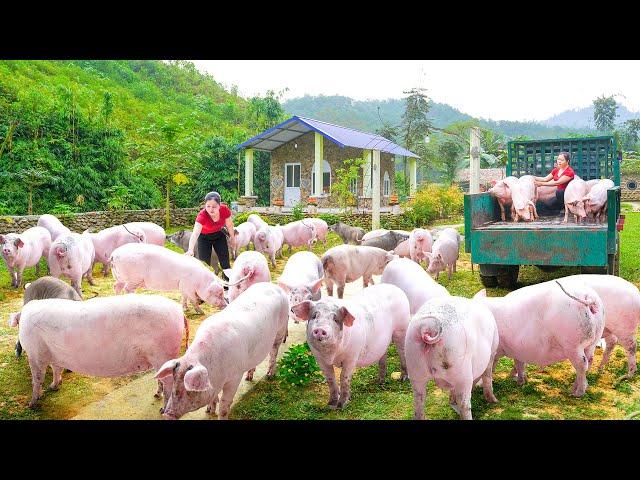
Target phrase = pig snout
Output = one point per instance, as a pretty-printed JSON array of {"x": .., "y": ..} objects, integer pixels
[{"x": 320, "y": 334}]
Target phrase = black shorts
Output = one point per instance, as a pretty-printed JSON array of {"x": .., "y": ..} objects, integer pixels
[{"x": 217, "y": 241}]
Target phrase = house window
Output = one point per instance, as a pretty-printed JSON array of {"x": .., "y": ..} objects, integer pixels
[
  {"x": 386, "y": 185},
  {"x": 326, "y": 179},
  {"x": 353, "y": 186}
]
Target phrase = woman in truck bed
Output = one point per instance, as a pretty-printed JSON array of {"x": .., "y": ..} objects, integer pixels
[{"x": 559, "y": 176}]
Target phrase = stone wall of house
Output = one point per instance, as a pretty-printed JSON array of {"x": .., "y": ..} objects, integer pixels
[
  {"x": 630, "y": 187},
  {"x": 333, "y": 154},
  {"x": 78, "y": 222}
]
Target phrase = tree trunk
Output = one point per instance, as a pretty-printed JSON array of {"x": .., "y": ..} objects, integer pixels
[{"x": 167, "y": 217}]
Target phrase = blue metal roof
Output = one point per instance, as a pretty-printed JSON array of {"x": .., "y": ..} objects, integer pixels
[{"x": 296, "y": 126}]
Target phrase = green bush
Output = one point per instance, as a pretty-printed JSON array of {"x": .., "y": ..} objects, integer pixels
[
  {"x": 330, "y": 218},
  {"x": 241, "y": 217},
  {"x": 298, "y": 366},
  {"x": 432, "y": 202},
  {"x": 63, "y": 209},
  {"x": 297, "y": 212}
]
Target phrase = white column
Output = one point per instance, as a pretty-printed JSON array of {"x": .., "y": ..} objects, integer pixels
[
  {"x": 375, "y": 197},
  {"x": 248, "y": 172},
  {"x": 413, "y": 175},
  {"x": 318, "y": 164},
  {"x": 474, "y": 164},
  {"x": 366, "y": 174}
]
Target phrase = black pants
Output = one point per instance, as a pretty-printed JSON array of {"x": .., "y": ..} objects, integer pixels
[
  {"x": 559, "y": 199},
  {"x": 217, "y": 241}
]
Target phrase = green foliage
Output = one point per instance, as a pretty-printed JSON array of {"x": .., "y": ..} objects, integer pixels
[
  {"x": 330, "y": 218},
  {"x": 415, "y": 124},
  {"x": 241, "y": 217},
  {"x": 605, "y": 113},
  {"x": 62, "y": 209},
  {"x": 340, "y": 188},
  {"x": 298, "y": 366},
  {"x": 297, "y": 212},
  {"x": 434, "y": 201},
  {"x": 120, "y": 198},
  {"x": 402, "y": 186}
]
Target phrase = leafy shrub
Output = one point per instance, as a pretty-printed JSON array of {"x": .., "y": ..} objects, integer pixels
[
  {"x": 241, "y": 218},
  {"x": 432, "y": 202},
  {"x": 63, "y": 209},
  {"x": 297, "y": 212},
  {"x": 298, "y": 366},
  {"x": 329, "y": 218}
]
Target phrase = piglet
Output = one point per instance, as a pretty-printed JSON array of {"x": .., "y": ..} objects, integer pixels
[
  {"x": 420, "y": 243},
  {"x": 355, "y": 333},
  {"x": 71, "y": 255},
  {"x": 250, "y": 267},
  {"x": 595, "y": 200},
  {"x": 454, "y": 341},
  {"x": 302, "y": 278},
  {"x": 444, "y": 255},
  {"x": 225, "y": 346},
  {"x": 573, "y": 199},
  {"x": 22, "y": 250},
  {"x": 53, "y": 225}
]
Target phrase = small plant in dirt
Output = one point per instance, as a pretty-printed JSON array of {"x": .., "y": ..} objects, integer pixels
[
  {"x": 298, "y": 367},
  {"x": 298, "y": 212}
]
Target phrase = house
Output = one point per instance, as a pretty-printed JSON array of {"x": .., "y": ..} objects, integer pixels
[{"x": 305, "y": 154}]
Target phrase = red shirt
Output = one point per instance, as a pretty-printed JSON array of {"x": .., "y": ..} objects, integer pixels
[
  {"x": 208, "y": 225},
  {"x": 568, "y": 172}
]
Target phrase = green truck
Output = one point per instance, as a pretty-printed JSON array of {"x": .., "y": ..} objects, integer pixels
[{"x": 500, "y": 247}]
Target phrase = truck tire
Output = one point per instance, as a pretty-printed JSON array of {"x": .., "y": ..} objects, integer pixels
[
  {"x": 489, "y": 281},
  {"x": 508, "y": 276}
]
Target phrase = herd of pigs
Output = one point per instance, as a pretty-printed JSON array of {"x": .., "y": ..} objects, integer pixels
[
  {"x": 585, "y": 200},
  {"x": 453, "y": 340}
]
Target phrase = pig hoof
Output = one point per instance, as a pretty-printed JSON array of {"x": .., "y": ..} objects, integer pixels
[
  {"x": 157, "y": 395},
  {"x": 53, "y": 388},
  {"x": 161, "y": 410}
]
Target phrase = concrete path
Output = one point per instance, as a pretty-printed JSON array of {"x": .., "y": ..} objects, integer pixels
[{"x": 135, "y": 401}]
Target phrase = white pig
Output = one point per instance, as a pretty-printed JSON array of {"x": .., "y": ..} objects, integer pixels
[
  {"x": 411, "y": 278},
  {"x": 302, "y": 279},
  {"x": 501, "y": 191},
  {"x": 250, "y": 267},
  {"x": 299, "y": 233},
  {"x": 53, "y": 225},
  {"x": 107, "y": 240},
  {"x": 573, "y": 199},
  {"x": 21, "y": 250},
  {"x": 321, "y": 228},
  {"x": 225, "y": 346},
  {"x": 444, "y": 255},
  {"x": 71, "y": 255},
  {"x": 420, "y": 243},
  {"x": 244, "y": 234},
  {"x": 269, "y": 240},
  {"x": 355, "y": 333},
  {"x": 452, "y": 340},
  {"x": 154, "y": 233},
  {"x": 257, "y": 221},
  {"x": 523, "y": 197},
  {"x": 595, "y": 200}
]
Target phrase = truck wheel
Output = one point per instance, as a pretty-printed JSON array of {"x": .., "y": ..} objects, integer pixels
[
  {"x": 489, "y": 281},
  {"x": 508, "y": 276}
]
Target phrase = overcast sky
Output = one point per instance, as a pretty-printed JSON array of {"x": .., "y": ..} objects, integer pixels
[{"x": 495, "y": 89}]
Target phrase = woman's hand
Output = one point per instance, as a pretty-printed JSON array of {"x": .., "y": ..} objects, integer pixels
[{"x": 189, "y": 252}]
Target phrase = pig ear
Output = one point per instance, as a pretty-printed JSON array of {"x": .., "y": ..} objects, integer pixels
[
  {"x": 227, "y": 272},
  {"x": 347, "y": 318},
  {"x": 428, "y": 255},
  {"x": 303, "y": 309},
  {"x": 167, "y": 369},
  {"x": 1, "y": 239},
  {"x": 61, "y": 251},
  {"x": 284, "y": 286},
  {"x": 235, "y": 231},
  {"x": 18, "y": 242},
  {"x": 197, "y": 379},
  {"x": 14, "y": 319},
  {"x": 247, "y": 270},
  {"x": 481, "y": 294},
  {"x": 315, "y": 286}
]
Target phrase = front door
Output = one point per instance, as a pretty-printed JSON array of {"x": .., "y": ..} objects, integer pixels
[{"x": 291, "y": 184}]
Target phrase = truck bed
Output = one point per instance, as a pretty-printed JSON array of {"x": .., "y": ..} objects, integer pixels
[{"x": 544, "y": 222}]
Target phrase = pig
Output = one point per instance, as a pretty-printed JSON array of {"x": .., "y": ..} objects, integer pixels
[
  {"x": 452, "y": 233},
  {"x": 22, "y": 250},
  {"x": 249, "y": 268},
  {"x": 45, "y": 287},
  {"x": 347, "y": 263},
  {"x": 402, "y": 249},
  {"x": 104, "y": 337},
  {"x": 107, "y": 240},
  {"x": 547, "y": 196},
  {"x": 573, "y": 199},
  {"x": 523, "y": 199},
  {"x": 420, "y": 243},
  {"x": 53, "y": 225},
  {"x": 269, "y": 240},
  {"x": 244, "y": 234},
  {"x": 443, "y": 255},
  {"x": 591, "y": 183},
  {"x": 548, "y": 323},
  {"x": 374, "y": 233},
  {"x": 155, "y": 233},
  {"x": 355, "y": 333},
  {"x": 257, "y": 221},
  {"x": 454, "y": 341},
  {"x": 388, "y": 241},
  {"x": 302, "y": 279},
  {"x": 225, "y": 346},
  {"x": 299, "y": 233},
  {"x": 321, "y": 229},
  {"x": 71, "y": 255},
  {"x": 621, "y": 300},
  {"x": 181, "y": 239},
  {"x": 150, "y": 266},
  {"x": 501, "y": 191},
  {"x": 347, "y": 233},
  {"x": 595, "y": 200},
  {"x": 411, "y": 278}
]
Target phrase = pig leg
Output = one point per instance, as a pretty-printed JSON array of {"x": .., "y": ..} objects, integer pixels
[
  {"x": 449, "y": 271},
  {"x": 610, "y": 341},
  {"x": 345, "y": 381},
  {"x": 196, "y": 306},
  {"x": 211, "y": 408},
  {"x": 580, "y": 362},
  {"x": 38, "y": 371},
  {"x": 106, "y": 266},
  {"x": 273, "y": 260},
  {"x": 502, "y": 214},
  {"x": 341, "y": 289},
  {"x": 273, "y": 357},
  {"x": 57, "y": 377},
  {"x": 566, "y": 214},
  {"x": 330, "y": 375},
  {"x": 522, "y": 372},
  {"x": 75, "y": 283},
  {"x": 19, "y": 276},
  {"x": 398, "y": 339},
  {"x": 250, "y": 373},
  {"x": 329, "y": 284},
  {"x": 419, "y": 386},
  {"x": 463, "y": 399},
  {"x": 487, "y": 383},
  {"x": 159, "y": 390},
  {"x": 12, "y": 275},
  {"x": 89, "y": 276},
  {"x": 382, "y": 368},
  {"x": 228, "y": 392},
  {"x": 629, "y": 343}
]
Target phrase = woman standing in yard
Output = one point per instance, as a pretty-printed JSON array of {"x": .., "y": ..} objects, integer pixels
[
  {"x": 208, "y": 231},
  {"x": 559, "y": 176}
]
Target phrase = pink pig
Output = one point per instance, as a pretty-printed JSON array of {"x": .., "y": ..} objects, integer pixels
[
  {"x": 411, "y": 278},
  {"x": 302, "y": 278},
  {"x": 154, "y": 233},
  {"x": 249, "y": 268},
  {"x": 103, "y": 337},
  {"x": 107, "y": 240},
  {"x": 595, "y": 200},
  {"x": 402, "y": 249},
  {"x": 257, "y": 221},
  {"x": 523, "y": 197},
  {"x": 149, "y": 266},
  {"x": 321, "y": 228},
  {"x": 299, "y": 233},
  {"x": 71, "y": 255},
  {"x": 244, "y": 235},
  {"x": 454, "y": 341},
  {"x": 547, "y": 323},
  {"x": 501, "y": 191},
  {"x": 444, "y": 255},
  {"x": 573, "y": 199},
  {"x": 53, "y": 225},
  {"x": 226, "y": 345},
  {"x": 355, "y": 333},
  {"x": 420, "y": 243},
  {"x": 347, "y": 263},
  {"x": 269, "y": 240},
  {"x": 21, "y": 250}
]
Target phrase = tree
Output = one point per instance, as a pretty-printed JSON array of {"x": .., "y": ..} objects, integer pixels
[
  {"x": 630, "y": 134},
  {"x": 344, "y": 176},
  {"x": 605, "y": 113},
  {"x": 415, "y": 125},
  {"x": 450, "y": 158}
]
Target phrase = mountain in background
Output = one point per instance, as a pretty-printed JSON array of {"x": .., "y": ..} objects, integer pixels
[{"x": 363, "y": 115}]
